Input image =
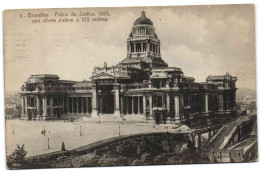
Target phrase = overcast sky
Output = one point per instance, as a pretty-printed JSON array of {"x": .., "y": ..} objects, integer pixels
[{"x": 201, "y": 40}]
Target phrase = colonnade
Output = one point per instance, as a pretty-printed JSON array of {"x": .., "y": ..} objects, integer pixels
[
  {"x": 136, "y": 47},
  {"x": 226, "y": 101},
  {"x": 144, "y": 104},
  {"x": 42, "y": 107},
  {"x": 79, "y": 105},
  {"x": 133, "y": 105},
  {"x": 51, "y": 106}
]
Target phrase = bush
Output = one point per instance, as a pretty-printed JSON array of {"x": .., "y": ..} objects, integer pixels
[
  {"x": 140, "y": 148},
  {"x": 137, "y": 162},
  {"x": 147, "y": 159},
  {"x": 18, "y": 154},
  {"x": 160, "y": 160}
]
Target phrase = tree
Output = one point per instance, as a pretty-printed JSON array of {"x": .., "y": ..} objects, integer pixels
[
  {"x": 63, "y": 147},
  {"x": 18, "y": 154}
]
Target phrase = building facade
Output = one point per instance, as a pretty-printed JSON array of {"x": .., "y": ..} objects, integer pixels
[{"x": 141, "y": 84}]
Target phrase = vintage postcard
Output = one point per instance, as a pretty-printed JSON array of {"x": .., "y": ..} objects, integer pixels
[{"x": 130, "y": 86}]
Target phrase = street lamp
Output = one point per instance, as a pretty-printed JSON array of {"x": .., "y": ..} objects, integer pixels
[{"x": 80, "y": 133}]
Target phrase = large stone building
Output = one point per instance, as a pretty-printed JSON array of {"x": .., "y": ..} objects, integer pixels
[{"x": 141, "y": 84}]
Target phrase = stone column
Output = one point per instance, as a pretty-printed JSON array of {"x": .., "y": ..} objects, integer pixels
[
  {"x": 117, "y": 101},
  {"x": 127, "y": 105},
  {"x": 67, "y": 105},
  {"x": 177, "y": 109},
  {"x": 122, "y": 106},
  {"x": 100, "y": 104},
  {"x": 72, "y": 103},
  {"x": 167, "y": 84},
  {"x": 220, "y": 102},
  {"x": 51, "y": 105},
  {"x": 134, "y": 47},
  {"x": 25, "y": 106},
  {"x": 133, "y": 105},
  {"x": 82, "y": 105},
  {"x": 206, "y": 103},
  {"x": 151, "y": 105},
  {"x": 163, "y": 101},
  {"x": 168, "y": 102},
  {"x": 38, "y": 106},
  {"x": 77, "y": 104},
  {"x": 22, "y": 107},
  {"x": 144, "y": 105},
  {"x": 63, "y": 103},
  {"x": 138, "y": 105},
  {"x": 128, "y": 48},
  {"x": 234, "y": 99},
  {"x": 44, "y": 107},
  {"x": 87, "y": 103},
  {"x": 94, "y": 101},
  {"x": 227, "y": 99},
  {"x": 142, "y": 48}
]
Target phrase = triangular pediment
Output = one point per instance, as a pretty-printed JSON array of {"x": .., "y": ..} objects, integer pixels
[{"x": 103, "y": 75}]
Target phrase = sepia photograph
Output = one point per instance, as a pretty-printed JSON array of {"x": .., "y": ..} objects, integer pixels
[{"x": 129, "y": 86}]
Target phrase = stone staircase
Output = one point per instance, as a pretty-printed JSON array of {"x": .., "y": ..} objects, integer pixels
[{"x": 220, "y": 136}]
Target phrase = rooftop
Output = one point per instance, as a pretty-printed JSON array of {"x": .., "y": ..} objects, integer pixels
[
  {"x": 44, "y": 76},
  {"x": 83, "y": 84},
  {"x": 143, "y": 20}
]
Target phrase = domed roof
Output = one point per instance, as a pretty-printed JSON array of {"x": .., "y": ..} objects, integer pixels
[{"x": 143, "y": 20}]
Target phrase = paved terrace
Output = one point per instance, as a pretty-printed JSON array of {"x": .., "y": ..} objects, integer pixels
[{"x": 73, "y": 134}]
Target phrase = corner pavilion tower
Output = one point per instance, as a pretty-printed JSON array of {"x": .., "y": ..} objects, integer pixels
[{"x": 141, "y": 85}]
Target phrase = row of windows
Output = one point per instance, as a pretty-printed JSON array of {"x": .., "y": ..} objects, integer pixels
[
  {"x": 141, "y": 47},
  {"x": 142, "y": 31}
]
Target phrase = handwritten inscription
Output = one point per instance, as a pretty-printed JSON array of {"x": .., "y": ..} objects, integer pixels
[{"x": 66, "y": 17}]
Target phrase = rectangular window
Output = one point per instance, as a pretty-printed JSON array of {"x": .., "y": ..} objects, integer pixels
[
  {"x": 132, "y": 47},
  {"x": 32, "y": 102},
  {"x": 138, "y": 47}
]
